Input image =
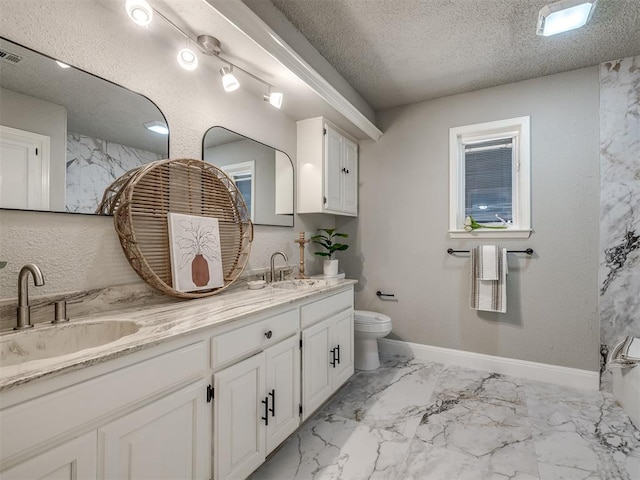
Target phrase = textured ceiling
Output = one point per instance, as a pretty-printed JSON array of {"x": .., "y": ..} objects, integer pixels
[{"x": 395, "y": 52}]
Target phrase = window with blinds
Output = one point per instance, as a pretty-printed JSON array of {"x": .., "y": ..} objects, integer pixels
[{"x": 488, "y": 180}]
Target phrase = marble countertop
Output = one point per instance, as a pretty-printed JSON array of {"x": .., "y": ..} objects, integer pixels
[{"x": 160, "y": 323}]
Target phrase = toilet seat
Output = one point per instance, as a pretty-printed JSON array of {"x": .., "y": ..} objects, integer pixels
[
  {"x": 363, "y": 317},
  {"x": 371, "y": 322}
]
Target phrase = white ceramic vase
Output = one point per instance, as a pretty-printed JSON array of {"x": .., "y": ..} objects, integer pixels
[{"x": 330, "y": 267}]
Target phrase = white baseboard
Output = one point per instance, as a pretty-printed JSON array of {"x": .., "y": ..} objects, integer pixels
[{"x": 570, "y": 377}]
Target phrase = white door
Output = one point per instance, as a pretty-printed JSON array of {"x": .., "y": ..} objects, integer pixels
[
  {"x": 166, "y": 439},
  {"x": 332, "y": 170},
  {"x": 342, "y": 331},
  {"x": 73, "y": 460},
  {"x": 316, "y": 378},
  {"x": 240, "y": 405},
  {"x": 350, "y": 177},
  {"x": 24, "y": 169},
  {"x": 283, "y": 390}
]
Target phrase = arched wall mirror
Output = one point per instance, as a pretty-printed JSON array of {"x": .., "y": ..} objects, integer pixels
[
  {"x": 65, "y": 134},
  {"x": 263, "y": 174}
]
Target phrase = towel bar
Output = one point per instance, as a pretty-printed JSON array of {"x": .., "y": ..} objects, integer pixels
[{"x": 528, "y": 251}]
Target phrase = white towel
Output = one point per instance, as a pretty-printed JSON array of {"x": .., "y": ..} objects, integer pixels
[
  {"x": 488, "y": 295},
  {"x": 488, "y": 262}
]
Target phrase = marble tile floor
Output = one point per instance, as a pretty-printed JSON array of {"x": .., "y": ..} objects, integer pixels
[{"x": 418, "y": 420}]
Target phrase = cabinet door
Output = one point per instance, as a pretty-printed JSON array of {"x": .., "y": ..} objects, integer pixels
[
  {"x": 350, "y": 177},
  {"x": 316, "y": 378},
  {"x": 238, "y": 430},
  {"x": 165, "y": 439},
  {"x": 342, "y": 332},
  {"x": 74, "y": 460},
  {"x": 283, "y": 390},
  {"x": 333, "y": 175}
]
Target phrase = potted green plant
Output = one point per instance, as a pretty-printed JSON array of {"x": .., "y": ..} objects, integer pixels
[{"x": 327, "y": 239}]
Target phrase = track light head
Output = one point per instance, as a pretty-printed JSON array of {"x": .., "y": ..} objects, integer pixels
[
  {"x": 229, "y": 80},
  {"x": 274, "y": 98},
  {"x": 187, "y": 59},
  {"x": 140, "y": 12}
]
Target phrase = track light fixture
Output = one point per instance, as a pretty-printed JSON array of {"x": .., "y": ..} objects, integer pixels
[
  {"x": 142, "y": 13},
  {"x": 187, "y": 58},
  {"x": 229, "y": 80},
  {"x": 274, "y": 98}
]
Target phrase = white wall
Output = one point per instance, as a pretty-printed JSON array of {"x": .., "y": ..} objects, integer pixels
[
  {"x": 400, "y": 237},
  {"x": 39, "y": 116},
  {"x": 79, "y": 252}
]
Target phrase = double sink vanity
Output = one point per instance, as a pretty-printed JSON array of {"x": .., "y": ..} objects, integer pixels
[{"x": 199, "y": 389}]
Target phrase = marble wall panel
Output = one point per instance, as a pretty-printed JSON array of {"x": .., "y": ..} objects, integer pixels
[
  {"x": 619, "y": 201},
  {"x": 93, "y": 164}
]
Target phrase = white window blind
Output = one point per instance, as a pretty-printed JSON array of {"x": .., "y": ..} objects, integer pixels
[{"x": 488, "y": 180}]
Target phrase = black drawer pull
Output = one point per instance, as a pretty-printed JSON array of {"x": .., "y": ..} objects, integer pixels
[
  {"x": 333, "y": 357},
  {"x": 266, "y": 411},
  {"x": 272, "y": 394},
  {"x": 338, "y": 354},
  {"x": 269, "y": 334}
]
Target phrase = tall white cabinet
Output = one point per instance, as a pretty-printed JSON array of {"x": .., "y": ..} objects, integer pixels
[{"x": 327, "y": 169}]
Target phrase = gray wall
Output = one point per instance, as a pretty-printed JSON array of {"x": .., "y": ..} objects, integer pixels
[
  {"x": 400, "y": 237},
  {"x": 46, "y": 118},
  {"x": 78, "y": 252}
]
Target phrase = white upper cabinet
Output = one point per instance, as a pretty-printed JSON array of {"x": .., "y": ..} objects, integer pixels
[{"x": 327, "y": 169}]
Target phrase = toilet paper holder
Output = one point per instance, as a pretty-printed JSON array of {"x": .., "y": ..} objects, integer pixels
[{"x": 380, "y": 294}]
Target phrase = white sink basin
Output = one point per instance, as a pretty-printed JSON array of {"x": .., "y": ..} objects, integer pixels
[
  {"x": 56, "y": 340},
  {"x": 301, "y": 284}
]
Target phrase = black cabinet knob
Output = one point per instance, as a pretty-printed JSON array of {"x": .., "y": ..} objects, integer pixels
[{"x": 269, "y": 334}]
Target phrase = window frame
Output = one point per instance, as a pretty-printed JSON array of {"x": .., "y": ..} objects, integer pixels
[{"x": 517, "y": 128}]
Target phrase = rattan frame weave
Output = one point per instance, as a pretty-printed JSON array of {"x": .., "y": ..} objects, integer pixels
[{"x": 141, "y": 199}]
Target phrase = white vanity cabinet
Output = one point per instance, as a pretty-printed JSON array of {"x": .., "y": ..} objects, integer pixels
[
  {"x": 327, "y": 348},
  {"x": 165, "y": 439},
  {"x": 327, "y": 169},
  {"x": 256, "y": 403},
  {"x": 141, "y": 416},
  {"x": 73, "y": 460},
  {"x": 210, "y": 404}
]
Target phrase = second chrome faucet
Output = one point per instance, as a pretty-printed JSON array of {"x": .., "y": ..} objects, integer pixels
[{"x": 273, "y": 268}]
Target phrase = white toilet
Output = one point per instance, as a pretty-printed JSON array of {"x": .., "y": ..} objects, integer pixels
[{"x": 368, "y": 327}]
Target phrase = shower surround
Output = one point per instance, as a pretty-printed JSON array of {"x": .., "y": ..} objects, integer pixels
[{"x": 619, "y": 202}]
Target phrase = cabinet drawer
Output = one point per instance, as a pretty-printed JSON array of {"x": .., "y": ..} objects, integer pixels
[
  {"x": 325, "y": 308},
  {"x": 237, "y": 343},
  {"x": 42, "y": 419}
]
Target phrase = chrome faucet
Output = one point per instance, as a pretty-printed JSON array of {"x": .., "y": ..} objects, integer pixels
[
  {"x": 273, "y": 268},
  {"x": 24, "y": 310}
]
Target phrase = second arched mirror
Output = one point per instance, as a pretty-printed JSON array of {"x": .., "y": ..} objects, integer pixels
[{"x": 263, "y": 174}]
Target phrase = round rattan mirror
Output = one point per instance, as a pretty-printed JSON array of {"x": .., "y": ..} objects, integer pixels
[{"x": 143, "y": 201}]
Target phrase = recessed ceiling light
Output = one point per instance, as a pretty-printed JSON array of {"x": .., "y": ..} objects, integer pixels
[
  {"x": 62, "y": 65},
  {"x": 157, "y": 127},
  {"x": 564, "y": 16}
]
